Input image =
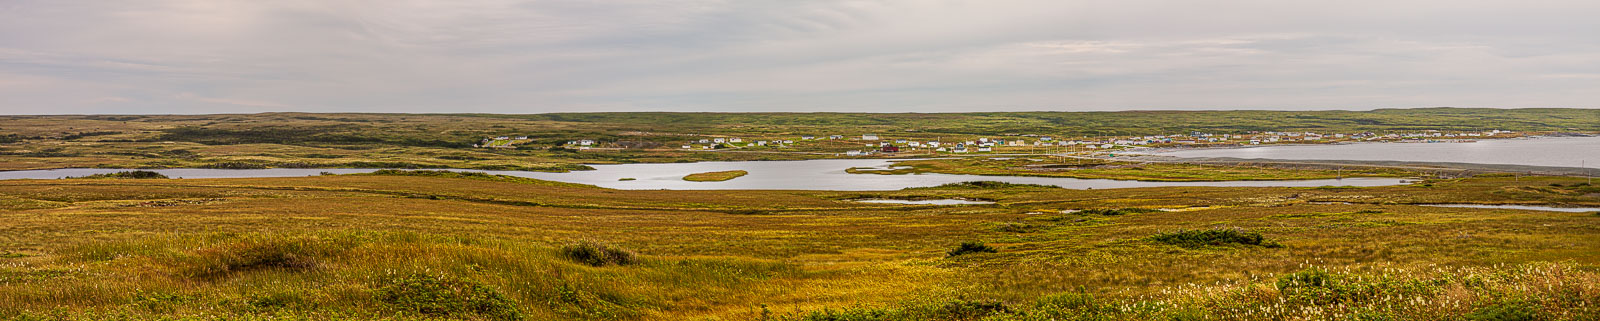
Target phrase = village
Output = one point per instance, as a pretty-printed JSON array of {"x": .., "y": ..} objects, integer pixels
[{"x": 918, "y": 144}]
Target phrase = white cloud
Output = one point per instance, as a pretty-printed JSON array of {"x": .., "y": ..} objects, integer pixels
[{"x": 845, "y": 55}]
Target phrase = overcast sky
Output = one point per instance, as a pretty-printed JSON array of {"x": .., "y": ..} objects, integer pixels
[{"x": 222, "y": 56}]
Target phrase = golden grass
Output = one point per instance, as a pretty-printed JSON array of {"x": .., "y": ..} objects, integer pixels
[{"x": 324, "y": 246}]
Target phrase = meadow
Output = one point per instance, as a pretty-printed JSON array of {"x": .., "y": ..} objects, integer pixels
[
  {"x": 442, "y": 245},
  {"x": 418, "y": 243}
]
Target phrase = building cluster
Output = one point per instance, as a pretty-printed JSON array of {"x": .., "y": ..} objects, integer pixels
[{"x": 875, "y": 144}]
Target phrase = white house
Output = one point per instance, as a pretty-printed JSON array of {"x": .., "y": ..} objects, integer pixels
[
  {"x": 853, "y": 153},
  {"x": 985, "y": 149},
  {"x": 869, "y": 137}
]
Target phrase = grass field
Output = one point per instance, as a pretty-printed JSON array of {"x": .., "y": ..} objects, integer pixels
[
  {"x": 419, "y": 245},
  {"x": 431, "y": 244}
]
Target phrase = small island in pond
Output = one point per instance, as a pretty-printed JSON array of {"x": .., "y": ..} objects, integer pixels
[{"x": 714, "y": 176}]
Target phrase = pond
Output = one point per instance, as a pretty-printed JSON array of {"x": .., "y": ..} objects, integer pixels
[
  {"x": 1521, "y": 207},
  {"x": 824, "y": 174},
  {"x": 1552, "y": 152}
]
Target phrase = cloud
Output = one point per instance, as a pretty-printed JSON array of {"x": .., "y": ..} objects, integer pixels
[{"x": 185, "y": 56}]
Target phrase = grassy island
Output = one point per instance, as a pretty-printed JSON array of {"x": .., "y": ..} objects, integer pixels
[{"x": 715, "y": 176}]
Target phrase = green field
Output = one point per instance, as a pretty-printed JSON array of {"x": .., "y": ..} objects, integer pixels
[{"x": 441, "y": 245}]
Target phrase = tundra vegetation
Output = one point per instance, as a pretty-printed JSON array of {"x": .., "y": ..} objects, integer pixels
[
  {"x": 715, "y": 176},
  {"x": 437, "y": 245},
  {"x": 427, "y": 244}
]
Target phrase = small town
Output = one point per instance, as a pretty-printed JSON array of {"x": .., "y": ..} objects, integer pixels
[{"x": 875, "y": 144}]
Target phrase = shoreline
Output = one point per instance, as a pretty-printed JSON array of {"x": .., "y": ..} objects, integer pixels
[{"x": 1459, "y": 169}]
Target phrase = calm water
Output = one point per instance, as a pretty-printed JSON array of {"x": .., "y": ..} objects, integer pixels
[
  {"x": 1521, "y": 207},
  {"x": 828, "y": 174},
  {"x": 1556, "y": 152}
]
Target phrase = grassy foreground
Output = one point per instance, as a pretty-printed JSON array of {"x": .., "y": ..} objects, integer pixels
[
  {"x": 436, "y": 245},
  {"x": 715, "y": 176}
]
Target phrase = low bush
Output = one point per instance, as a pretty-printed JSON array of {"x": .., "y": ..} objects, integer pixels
[
  {"x": 971, "y": 247},
  {"x": 128, "y": 175},
  {"x": 598, "y": 254},
  {"x": 1508, "y": 311},
  {"x": 446, "y": 297},
  {"x": 1215, "y": 237}
]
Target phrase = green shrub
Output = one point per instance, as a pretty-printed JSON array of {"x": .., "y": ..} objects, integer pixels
[
  {"x": 446, "y": 297},
  {"x": 598, "y": 254},
  {"x": 129, "y": 175},
  {"x": 972, "y": 247},
  {"x": 1216, "y": 237},
  {"x": 1312, "y": 277},
  {"x": 1507, "y": 311},
  {"x": 258, "y": 252}
]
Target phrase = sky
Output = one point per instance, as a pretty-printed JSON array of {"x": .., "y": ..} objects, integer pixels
[{"x": 495, "y": 56}]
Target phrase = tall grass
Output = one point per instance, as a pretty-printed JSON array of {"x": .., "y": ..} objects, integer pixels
[
  {"x": 1540, "y": 291},
  {"x": 358, "y": 275}
]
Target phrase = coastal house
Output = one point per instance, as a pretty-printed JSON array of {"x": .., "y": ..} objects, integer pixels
[
  {"x": 869, "y": 137},
  {"x": 985, "y": 149},
  {"x": 807, "y": 137},
  {"x": 853, "y": 153},
  {"x": 585, "y": 142},
  {"x": 836, "y": 137},
  {"x": 890, "y": 149}
]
